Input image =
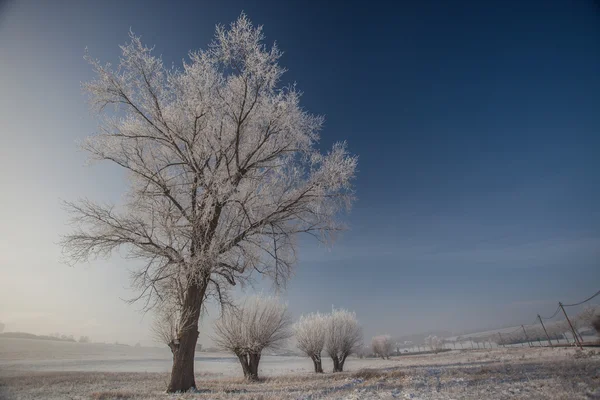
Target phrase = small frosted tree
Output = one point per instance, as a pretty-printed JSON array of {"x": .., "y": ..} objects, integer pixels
[
  {"x": 167, "y": 325},
  {"x": 587, "y": 315},
  {"x": 224, "y": 172},
  {"x": 259, "y": 323},
  {"x": 311, "y": 331},
  {"x": 382, "y": 346},
  {"x": 363, "y": 351},
  {"x": 434, "y": 343},
  {"x": 344, "y": 336}
]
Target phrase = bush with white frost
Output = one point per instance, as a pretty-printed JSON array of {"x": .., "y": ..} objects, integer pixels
[
  {"x": 434, "y": 343},
  {"x": 310, "y": 332},
  {"x": 587, "y": 316},
  {"x": 363, "y": 351},
  {"x": 259, "y": 323},
  {"x": 382, "y": 346},
  {"x": 344, "y": 337},
  {"x": 167, "y": 326}
]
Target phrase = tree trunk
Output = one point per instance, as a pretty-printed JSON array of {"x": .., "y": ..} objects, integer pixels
[
  {"x": 245, "y": 364},
  {"x": 254, "y": 360},
  {"x": 341, "y": 363},
  {"x": 182, "y": 373},
  {"x": 184, "y": 347},
  {"x": 317, "y": 364},
  {"x": 336, "y": 364},
  {"x": 249, "y": 364}
]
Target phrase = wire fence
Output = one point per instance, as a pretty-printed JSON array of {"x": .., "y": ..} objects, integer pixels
[{"x": 543, "y": 331}]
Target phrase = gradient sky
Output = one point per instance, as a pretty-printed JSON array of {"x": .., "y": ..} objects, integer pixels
[{"x": 477, "y": 125}]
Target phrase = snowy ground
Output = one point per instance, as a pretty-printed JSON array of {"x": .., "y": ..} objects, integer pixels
[{"x": 33, "y": 370}]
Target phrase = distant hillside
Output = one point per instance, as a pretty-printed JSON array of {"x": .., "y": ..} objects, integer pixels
[{"x": 24, "y": 335}]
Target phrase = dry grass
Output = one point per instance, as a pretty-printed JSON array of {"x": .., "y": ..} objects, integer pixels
[
  {"x": 542, "y": 374},
  {"x": 116, "y": 395},
  {"x": 371, "y": 373}
]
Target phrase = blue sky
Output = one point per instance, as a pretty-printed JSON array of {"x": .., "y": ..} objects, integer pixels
[{"x": 477, "y": 125}]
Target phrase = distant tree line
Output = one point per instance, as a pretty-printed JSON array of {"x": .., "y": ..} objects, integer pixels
[
  {"x": 24, "y": 335},
  {"x": 53, "y": 336}
]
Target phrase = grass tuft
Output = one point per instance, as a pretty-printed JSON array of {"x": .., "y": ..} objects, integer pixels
[{"x": 113, "y": 395}]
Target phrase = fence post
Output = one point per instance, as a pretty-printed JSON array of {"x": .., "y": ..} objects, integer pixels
[
  {"x": 526, "y": 337},
  {"x": 571, "y": 325},
  {"x": 549, "y": 341}
]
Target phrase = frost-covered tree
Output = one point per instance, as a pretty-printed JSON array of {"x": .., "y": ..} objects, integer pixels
[
  {"x": 363, "y": 351},
  {"x": 224, "y": 173},
  {"x": 2, "y": 327},
  {"x": 166, "y": 327},
  {"x": 436, "y": 343},
  {"x": 259, "y": 323},
  {"x": 382, "y": 346},
  {"x": 587, "y": 316},
  {"x": 311, "y": 332},
  {"x": 344, "y": 336}
]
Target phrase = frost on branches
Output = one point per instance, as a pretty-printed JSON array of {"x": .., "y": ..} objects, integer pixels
[
  {"x": 311, "y": 332},
  {"x": 260, "y": 323},
  {"x": 435, "y": 343},
  {"x": 224, "y": 173},
  {"x": 344, "y": 337},
  {"x": 588, "y": 315},
  {"x": 382, "y": 346}
]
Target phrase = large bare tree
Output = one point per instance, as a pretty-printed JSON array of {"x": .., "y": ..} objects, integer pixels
[{"x": 224, "y": 173}]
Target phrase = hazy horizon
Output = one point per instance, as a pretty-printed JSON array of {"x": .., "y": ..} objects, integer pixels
[{"x": 478, "y": 198}]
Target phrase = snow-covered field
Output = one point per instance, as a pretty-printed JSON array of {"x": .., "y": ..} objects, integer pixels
[{"x": 31, "y": 369}]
